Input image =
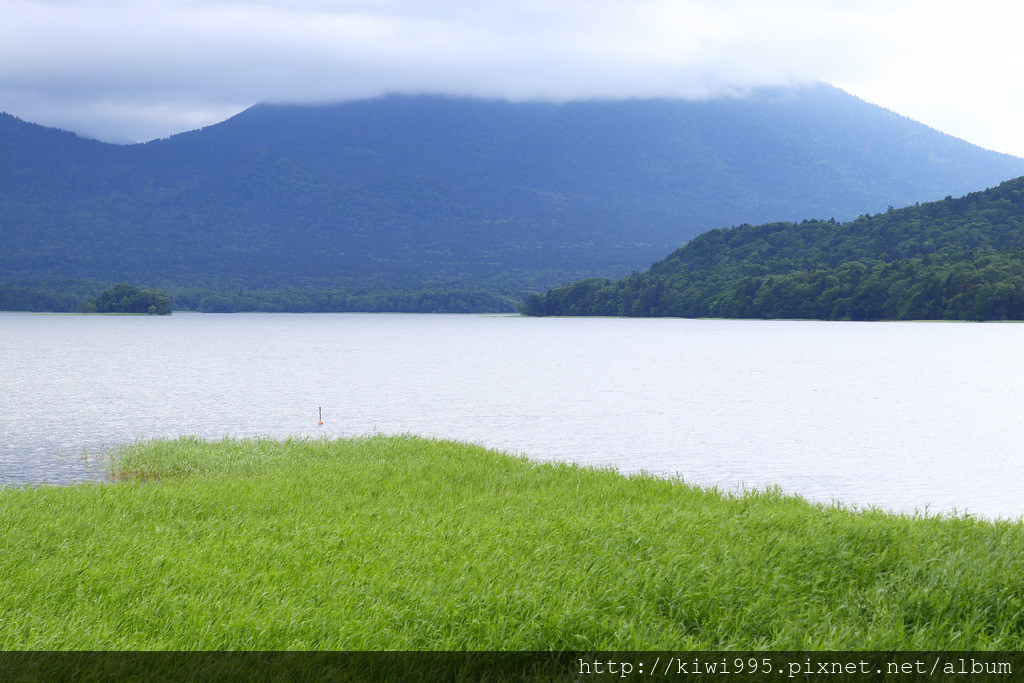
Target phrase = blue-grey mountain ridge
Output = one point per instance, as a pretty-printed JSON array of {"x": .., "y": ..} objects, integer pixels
[{"x": 444, "y": 203}]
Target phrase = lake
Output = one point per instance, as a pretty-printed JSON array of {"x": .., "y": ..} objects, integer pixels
[{"x": 903, "y": 416}]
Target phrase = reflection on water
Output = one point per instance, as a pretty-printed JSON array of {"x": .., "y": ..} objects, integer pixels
[{"x": 899, "y": 415}]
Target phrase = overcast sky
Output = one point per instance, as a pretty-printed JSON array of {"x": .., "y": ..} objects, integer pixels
[{"x": 133, "y": 70}]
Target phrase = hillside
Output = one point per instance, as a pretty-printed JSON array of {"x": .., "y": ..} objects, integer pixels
[
  {"x": 437, "y": 203},
  {"x": 959, "y": 259}
]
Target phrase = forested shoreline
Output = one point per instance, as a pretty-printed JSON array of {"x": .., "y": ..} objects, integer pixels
[
  {"x": 71, "y": 297},
  {"x": 956, "y": 259}
]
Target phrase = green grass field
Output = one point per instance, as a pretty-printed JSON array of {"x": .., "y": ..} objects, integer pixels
[{"x": 403, "y": 543}]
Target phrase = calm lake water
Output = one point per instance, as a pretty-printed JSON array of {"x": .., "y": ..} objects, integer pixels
[{"x": 903, "y": 416}]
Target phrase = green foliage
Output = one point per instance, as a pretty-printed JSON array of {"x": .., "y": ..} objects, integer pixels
[
  {"x": 401, "y": 543},
  {"x": 956, "y": 259},
  {"x": 125, "y": 298}
]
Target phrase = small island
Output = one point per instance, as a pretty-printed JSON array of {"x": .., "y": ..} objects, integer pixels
[{"x": 125, "y": 298}]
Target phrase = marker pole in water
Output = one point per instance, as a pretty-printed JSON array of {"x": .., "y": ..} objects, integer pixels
[{"x": 321, "y": 416}]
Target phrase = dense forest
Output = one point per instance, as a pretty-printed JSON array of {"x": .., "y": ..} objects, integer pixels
[
  {"x": 955, "y": 259},
  {"x": 442, "y": 203}
]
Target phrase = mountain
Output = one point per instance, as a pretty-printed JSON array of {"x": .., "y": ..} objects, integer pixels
[
  {"x": 958, "y": 259},
  {"x": 441, "y": 203}
]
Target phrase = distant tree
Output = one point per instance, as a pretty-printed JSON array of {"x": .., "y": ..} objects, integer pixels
[{"x": 125, "y": 298}]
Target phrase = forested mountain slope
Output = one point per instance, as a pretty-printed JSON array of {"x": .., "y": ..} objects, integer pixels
[
  {"x": 440, "y": 203},
  {"x": 959, "y": 259}
]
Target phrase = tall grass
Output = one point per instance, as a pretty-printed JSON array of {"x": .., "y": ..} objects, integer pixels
[{"x": 403, "y": 543}]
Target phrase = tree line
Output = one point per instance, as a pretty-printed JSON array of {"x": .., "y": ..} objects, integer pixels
[
  {"x": 88, "y": 296},
  {"x": 299, "y": 300}
]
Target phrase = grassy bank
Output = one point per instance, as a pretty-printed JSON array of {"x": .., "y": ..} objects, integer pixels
[{"x": 406, "y": 543}]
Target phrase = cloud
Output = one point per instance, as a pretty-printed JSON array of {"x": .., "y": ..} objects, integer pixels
[
  {"x": 954, "y": 66},
  {"x": 170, "y": 64},
  {"x": 137, "y": 69}
]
